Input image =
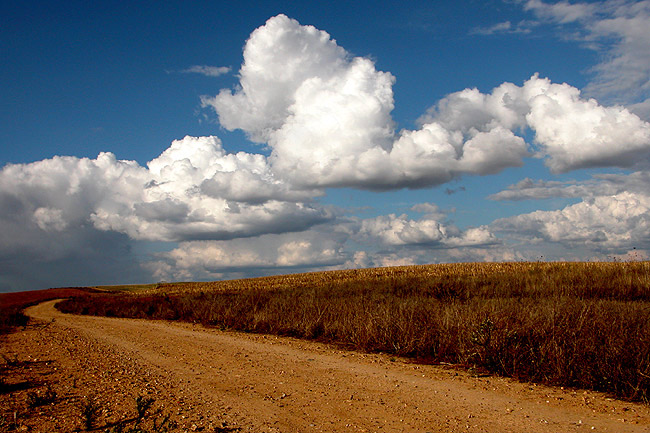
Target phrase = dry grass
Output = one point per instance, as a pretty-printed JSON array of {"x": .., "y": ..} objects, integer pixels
[{"x": 571, "y": 324}]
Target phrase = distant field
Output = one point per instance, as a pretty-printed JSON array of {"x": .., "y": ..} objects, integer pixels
[
  {"x": 126, "y": 288},
  {"x": 571, "y": 324}
]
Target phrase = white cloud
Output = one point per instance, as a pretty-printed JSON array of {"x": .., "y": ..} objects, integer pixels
[
  {"x": 599, "y": 185},
  {"x": 47, "y": 239},
  {"x": 49, "y": 219},
  {"x": 193, "y": 190},
  {"x": 578, "y": 133},
  {"x": 612, "y": 217},
  {"x": 306, "y": 253},
  {"x": 602, "y": 223},
  {"x": 423, "y": 255},
  {"x": 278, "y": 58},
  {"x": 431, "y": 229},
  {"x": 208, "y": 71},
  {"x": 529, "y": 189},
  {"x": 61, "y": 210},
  {"x": 572, "y": 132},
  {"x": 254, "y": 256},
  {"x": 327, "y": 118},
  {"x": 54, "y": 198},
  {"x": 400, "y": 230},
  {"x": 563, "y": 11},
  {"x": 343, "y": 243},
  {"x": 362, "y": 260},
  {"x": 505, "y": 27},
  {"x": 619, "y": 30}
]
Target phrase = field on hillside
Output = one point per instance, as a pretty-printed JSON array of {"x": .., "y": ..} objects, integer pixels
[{"x": 581, "y": 325}]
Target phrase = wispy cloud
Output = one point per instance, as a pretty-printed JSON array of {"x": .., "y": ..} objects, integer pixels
[
  {"x": 208, "y": 71},
  {"x": 564, "y": 12},
  {"x": 599, "y": 185},
  {"x": 505, "y": 27}
]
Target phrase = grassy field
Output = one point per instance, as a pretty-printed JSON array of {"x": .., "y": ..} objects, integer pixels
[{"x": 570, "y": 324}]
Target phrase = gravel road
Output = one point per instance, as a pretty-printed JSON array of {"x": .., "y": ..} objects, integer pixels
[{"x": 210, "y": 380}]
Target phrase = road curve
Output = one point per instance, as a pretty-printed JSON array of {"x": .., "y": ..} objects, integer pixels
[{"x": 265, "y": 383}]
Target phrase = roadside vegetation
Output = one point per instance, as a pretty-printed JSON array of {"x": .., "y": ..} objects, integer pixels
[{"x": 581, "y": 325}]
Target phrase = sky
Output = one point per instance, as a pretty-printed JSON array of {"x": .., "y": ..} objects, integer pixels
[{"x": 190, "y": 141}]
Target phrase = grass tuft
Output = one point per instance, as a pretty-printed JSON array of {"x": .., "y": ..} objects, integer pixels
[
  {"x": 142, "y": 405},
  {"x": 90, "y": 411},
  {"x": 41, "y": 398}
]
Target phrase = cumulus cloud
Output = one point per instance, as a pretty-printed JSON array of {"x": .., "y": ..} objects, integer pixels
[
  {"x": 611, "y": 218},
  {"x": 362, "y": 259},
  {"x": 278, "y": 58},
  {"x": 400, "y": 230},
  {"x": 252, "y": 256},
  {"x": 326, "y": 117},
  {"x": 47, "y": 239},
  {"x": 578, "y": 133},
  {"x": 431, "y": 229},
  {"x": 619, "y": 29},
  {"x": 423, "y": 255},
  {"x": 196, "y": 190},
  {"x": 601, "y": 223},
  {"x": 193, "y": 190},
  {"x": 570, "y": 131},
  {"x": 53, "y": 211},
  {"x": 342, "y": 243}
]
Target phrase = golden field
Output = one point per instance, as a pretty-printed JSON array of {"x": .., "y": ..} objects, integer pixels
[{"x": 570, "y": 324}]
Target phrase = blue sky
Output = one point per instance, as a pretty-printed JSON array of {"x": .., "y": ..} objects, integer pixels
[{"x": 211, "y": 140}]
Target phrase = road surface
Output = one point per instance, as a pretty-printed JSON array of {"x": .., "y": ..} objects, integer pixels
[{"x": 211, "y": 379}]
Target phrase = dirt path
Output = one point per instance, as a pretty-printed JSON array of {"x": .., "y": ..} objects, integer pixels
[{"x": 222, "y": 381}]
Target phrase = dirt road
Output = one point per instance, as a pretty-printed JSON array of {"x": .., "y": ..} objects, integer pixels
[{"x": 225, "y": 381}]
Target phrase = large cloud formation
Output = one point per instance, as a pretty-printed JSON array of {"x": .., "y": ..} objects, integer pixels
[
  {"x": 326, "y": 117},
  {"x": 409, "y": 241},
  {"x": 193, "y": 190},
  {"x": 77, "y": 216}
]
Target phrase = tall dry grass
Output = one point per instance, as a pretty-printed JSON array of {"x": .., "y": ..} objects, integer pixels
[{"x": 572, "y": 324}]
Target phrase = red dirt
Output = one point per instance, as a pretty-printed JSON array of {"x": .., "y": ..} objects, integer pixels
[{"x": 22, "y": 299}]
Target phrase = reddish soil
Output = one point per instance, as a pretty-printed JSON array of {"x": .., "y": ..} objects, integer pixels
[
  {"x": 21, "y": 299},
  {"x": 214, "y": 381}
]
